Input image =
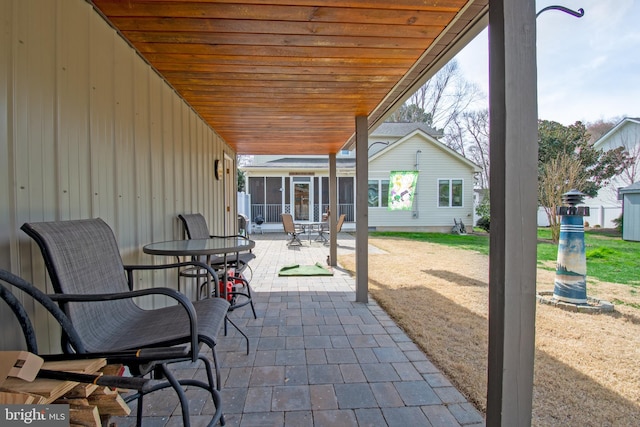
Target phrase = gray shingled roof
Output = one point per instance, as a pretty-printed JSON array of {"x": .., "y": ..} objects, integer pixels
[{"x": 403, "y": 129}]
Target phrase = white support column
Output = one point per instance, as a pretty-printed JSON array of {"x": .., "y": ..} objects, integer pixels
[
  {"x": 362, "y": 211},
  {"x": 333, "y": 209},
  {"x": 512, "y": 263}
]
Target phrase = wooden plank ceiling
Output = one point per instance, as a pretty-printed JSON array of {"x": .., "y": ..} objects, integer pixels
[{"x": 289, "y": 76}]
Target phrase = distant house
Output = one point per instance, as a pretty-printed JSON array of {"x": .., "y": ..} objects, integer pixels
[
  {"x": 607, "y": 205},
  {"x": 299, "y": 184}
]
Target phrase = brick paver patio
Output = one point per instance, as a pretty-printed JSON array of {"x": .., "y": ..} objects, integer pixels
[{"x": 317, "y": 357}]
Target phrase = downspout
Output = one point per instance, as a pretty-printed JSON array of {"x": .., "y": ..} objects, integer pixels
[{"x": 415, "y": 213}]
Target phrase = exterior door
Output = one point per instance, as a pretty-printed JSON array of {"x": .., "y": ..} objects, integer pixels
[{"x": 301, "y": 196}]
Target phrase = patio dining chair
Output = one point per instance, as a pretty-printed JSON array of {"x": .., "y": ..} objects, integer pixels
[
  {"x": 140, "y": 361},
  {"x": 327, "y": 231},
  {"x": 195, "y": 226},
  {"x": 95, "y": 290},
  {"x": 291, "y": 229}
]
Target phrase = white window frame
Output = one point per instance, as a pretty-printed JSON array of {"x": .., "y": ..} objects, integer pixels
[
  {"x": 380, "y": 197},
  {"x": 450, "y": 181}
]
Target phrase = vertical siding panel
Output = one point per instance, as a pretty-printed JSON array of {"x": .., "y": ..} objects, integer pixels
[
  {"x": 124, "y": 149},
  {"x": 73, "y": 108},
  {"x": 201, "y": 154},
  {"x": 178, "y": 161},
  {"x": 35, "y": 135},
  {"x": 186, "y": 168},
  {"x": 102, "y": 118},
  {"x": 10, "y": 332},
  {"x": 168, "y": 181},
  {"x": 197, "y": 156},
  {"x": 157, "y": 216},
  {"x": 6, "y": 134},
  {"x": 211, "y": 148},
  {"x": 190, "y": 166},
  {"x": 141, "y": 171},
  {"x": 142, "y": 154}
]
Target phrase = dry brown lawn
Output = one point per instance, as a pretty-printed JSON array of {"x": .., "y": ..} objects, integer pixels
[{"x": 587, "y": 367}]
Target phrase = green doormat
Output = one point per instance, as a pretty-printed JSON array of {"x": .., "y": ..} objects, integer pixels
[{"x": 304, "y": 270}]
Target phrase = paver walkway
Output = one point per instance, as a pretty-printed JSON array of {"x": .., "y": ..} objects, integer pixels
[{"x": 317, "y": 357}]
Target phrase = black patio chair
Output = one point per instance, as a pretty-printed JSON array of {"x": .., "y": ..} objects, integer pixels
[
  {"x": 195, "y": 226},
  {"x": 140, "y": 361},
  {"x": 94, "y": 289}
]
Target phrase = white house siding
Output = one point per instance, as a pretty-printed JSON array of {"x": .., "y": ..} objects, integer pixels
[
  {"x": 606, "y": 206},
  {"x": 434, "y": 163},
  {"x": 88, "y": 129}
]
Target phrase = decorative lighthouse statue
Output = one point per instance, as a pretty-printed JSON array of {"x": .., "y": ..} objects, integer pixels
[{"x": 571, "y": 270}]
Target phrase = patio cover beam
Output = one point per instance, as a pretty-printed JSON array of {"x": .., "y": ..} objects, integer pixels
[
  {"x": 362, "y": 210},
  {"x": 333, "y": 207},
  {"x": 512, "y": 262}
]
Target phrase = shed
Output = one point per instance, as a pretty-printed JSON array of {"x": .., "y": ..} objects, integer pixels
[{"x": 631, "y": 210}]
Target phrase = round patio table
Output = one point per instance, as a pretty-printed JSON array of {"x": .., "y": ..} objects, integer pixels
[{"x": 202, "y": 247}]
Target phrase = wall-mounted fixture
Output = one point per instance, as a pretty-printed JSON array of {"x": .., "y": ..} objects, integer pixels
[{"x": 218, "y": 170}]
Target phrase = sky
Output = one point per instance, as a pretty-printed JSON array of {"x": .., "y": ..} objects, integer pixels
[{"x": 588, "y": 68}]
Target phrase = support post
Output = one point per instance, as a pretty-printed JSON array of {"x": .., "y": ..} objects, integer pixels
[
  {"x": 333, "y": 210},
  {"x": 362, "y": 210},
  {"x": 512, "y": 262}
]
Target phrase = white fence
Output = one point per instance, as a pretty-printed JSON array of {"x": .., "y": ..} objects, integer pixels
[{"x": 601, "y": 216}]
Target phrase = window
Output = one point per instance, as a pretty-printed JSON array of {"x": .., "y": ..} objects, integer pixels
[
  {"x": 449, "y": 193},
  {"x": 378, "y": 193},
  {"x": 372, "y": 197}
]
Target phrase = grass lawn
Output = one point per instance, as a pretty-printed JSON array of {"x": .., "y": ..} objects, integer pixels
[{"x": 609, "y": 258}]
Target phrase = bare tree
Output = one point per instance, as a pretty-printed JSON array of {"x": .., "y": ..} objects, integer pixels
[
  {"x": 468, "y": 134},
  {"x": 630, "y": 170},
  {"x": 456, "y": 136},
  {"x": 440, "y": 100},
  {"x": 600, "y": 127},
  {"x": 557, "y": 176},
  {"x": 477, "y": 126},
  {"x": 631, "y": 173}
]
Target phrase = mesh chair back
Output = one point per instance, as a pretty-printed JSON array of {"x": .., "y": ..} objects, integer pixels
[
  {"x": 340, "y": 222},
  {"x": 287, "y": 223},
  {"x": 82, "y": 257},
  {"x": 195, "y": 226},
  {"x": 242, "y": 225}
]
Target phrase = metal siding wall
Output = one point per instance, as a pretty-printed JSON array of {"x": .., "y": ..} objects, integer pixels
[
  {"x": 72, "y": 68},
  {"x": 10, "y": 332},
  {"x": 34, "y": 144},
  {"x": 90, "y": 130}
]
